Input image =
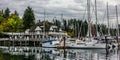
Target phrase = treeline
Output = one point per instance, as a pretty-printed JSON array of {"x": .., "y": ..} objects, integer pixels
[
  {"x": 76, "y": 27},
  {"x": 11, "y": 22}
]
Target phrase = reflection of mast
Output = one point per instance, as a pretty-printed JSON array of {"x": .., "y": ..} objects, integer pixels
[{"x": 108, "y": 20}]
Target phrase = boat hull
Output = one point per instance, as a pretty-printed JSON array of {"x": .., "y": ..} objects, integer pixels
[
  {"x": 88, "y": 46},
  {"x": 50, "y": 44}
]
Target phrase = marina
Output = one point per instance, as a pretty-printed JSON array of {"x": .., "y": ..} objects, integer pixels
[{"x": 60, "y": 30}]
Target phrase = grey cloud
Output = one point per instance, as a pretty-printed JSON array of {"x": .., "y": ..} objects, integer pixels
[{"x": 76, "y": 10}]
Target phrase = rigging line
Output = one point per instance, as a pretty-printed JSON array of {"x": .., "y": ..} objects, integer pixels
[
  {"x": 82, "y": 22},
  {"x": 103, "y": 19},
  {"x": 93, "y": 9},
  {"x": 103, "y": 16}
]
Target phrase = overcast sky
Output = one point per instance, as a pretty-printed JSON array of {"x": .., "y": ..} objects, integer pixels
[{"x": 69, "y": 8}]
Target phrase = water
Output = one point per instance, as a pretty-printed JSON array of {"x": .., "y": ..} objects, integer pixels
[{"x": 38, "y": 53}]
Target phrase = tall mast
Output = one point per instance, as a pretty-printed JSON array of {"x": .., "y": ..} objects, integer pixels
[
  {"x": 108, "y": 19},
  {"x": 89, "y": 18},
  {"x": 117, "y": 21},
  {"x": 61, "y": 16},
  {"x": 44, "y": 20},
  {"x": 44, "y": 25},
  {"x": 96, "y": 17}
]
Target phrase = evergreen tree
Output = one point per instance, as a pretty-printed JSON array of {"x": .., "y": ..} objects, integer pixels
[
  {"x": 28, "y": 18},
  {"x": 1, "y": 17},
  {"x": 16, "y": 13},
  {"x": 6, "y": 13}
]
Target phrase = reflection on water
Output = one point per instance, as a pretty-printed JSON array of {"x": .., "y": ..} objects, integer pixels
[{"x": 37, "y": 53}]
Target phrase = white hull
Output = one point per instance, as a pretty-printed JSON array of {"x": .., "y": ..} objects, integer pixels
[
  {"x": 52, "y": 44},
  {"x": 90, "y": 46},
  {"x": 49, "y": 46}
]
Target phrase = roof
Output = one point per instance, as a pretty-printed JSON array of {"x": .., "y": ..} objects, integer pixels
[{"x": 38, "y": 28}]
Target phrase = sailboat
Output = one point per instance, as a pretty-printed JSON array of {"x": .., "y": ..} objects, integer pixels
[{"x": 89, "y": 41}]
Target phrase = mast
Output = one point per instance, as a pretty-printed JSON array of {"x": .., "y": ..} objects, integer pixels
[
  {"x": 44, "y": 24},
  {"x": 44, "y": 20},
  {"x": 96, "y": 17},
  {"x": 61, "y": 16},
  {"x": 117, "y": 26},
  {"x": 108, "y": 19},
  {"x": 89, "y": 19},
  {"x": 117, "y": 21}
]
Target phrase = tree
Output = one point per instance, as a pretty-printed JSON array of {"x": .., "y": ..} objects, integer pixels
[
  {"x": 28, "y": 18},
  {"x": 1, "y": 17},
  {"x": 16, "y": 13},
  {"x": 57, "y": 23},
  {"x": 6, "y": 13},
  {"x": 14, "y": 23},
  {"x": 1, "y": 28}
]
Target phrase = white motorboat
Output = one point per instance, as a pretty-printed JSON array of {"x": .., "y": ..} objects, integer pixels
[
  {"x": 50, "y": 43},
  {"x": 54, "y": 39}
]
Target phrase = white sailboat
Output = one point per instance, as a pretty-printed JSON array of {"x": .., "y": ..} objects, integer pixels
[{"x": 89, "y": 41}]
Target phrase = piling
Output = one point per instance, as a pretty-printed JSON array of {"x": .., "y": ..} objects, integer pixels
[
  {"x": 64, "y": 47},
  {"x": 117, "y": 41},
  {"x": 107, "y": 51}
]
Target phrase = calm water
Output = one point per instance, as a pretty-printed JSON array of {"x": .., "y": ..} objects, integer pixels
[{"x": 37, "y": 53}]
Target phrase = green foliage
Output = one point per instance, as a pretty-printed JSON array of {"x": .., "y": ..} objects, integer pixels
[
  {"x": 28, "y": 18},
  {"x": 74, "y": 27},
  {"x": 57, "y": 22},
  {"x": 6, "y": 13},
  {"x": 1, "y": 28},
  {"x": 14, "y": 23},
  {"x": 16, "y": 13},
  {"x": 4, "y": 56},
  {"x": 1, "y": 17}
]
